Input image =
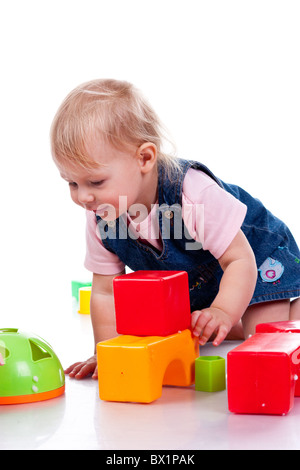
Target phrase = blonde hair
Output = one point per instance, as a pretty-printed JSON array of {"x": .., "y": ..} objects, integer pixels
[{"x": 112, "y": 109}]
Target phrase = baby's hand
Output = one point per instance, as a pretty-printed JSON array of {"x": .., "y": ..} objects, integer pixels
[
  {"x": 208, "y": 321},
  {"x": 79, "y": 370}
]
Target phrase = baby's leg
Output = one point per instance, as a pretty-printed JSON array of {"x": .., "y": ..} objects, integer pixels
[
  {"x": 266, "y": 312},
  {"x": 295, "y": 309},
  {"x": 236, "y": 333}
]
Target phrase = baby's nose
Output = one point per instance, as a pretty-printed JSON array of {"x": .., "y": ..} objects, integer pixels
[{"x": 85, "y": 196}]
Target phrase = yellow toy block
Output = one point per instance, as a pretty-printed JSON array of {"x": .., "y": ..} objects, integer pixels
[
  {"x": 84, "y": 299},
  {"x": 134, "y": 368}
]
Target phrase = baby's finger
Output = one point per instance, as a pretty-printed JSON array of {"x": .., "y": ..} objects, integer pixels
[
  {"x": 95, "y": 374},
  {"x": 207, "y": 332},
  {"x": 221, "y": 335},
  {"x": 85, "y": 370},
  {"x": 76, "y": 370},
  {"x": 195, "y": 315},
  {"x": 70, "y": 368},
  {"x": 201, "y": 323}
]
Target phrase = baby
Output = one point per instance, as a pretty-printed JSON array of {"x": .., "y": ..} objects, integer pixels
[{"x": 149, "y": 210}]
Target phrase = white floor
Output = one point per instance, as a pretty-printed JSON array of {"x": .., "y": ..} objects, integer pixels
[{"x": 182, "y": 419}]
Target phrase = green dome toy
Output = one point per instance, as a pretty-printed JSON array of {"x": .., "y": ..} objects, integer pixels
[{"x": 30, "y": 371}]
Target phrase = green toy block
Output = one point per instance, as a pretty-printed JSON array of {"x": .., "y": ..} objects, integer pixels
[
  {"x": 76, "y": 286},
  {"x": 210, "y": 374}
]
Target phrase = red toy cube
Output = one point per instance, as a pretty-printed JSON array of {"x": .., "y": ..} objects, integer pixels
[
  {"x": 279, "y": 326},
  {"x": 261, "y": 374},
  {"x": 152, "y": 303},
  {"x": 284, "y": 327}
]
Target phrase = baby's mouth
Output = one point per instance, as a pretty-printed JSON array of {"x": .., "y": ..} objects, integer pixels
[{"x": 106, "y": 212}]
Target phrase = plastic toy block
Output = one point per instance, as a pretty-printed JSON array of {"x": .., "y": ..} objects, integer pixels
[
  {"x": 134, "y": 369},
  {"x": 151, "y": 303},
  {"x": 284, "y": 327},
  {"x": 30, "y": 371},
  {"x": 261, "y": 374},
  {"x": 76, "y": 285},
  {"x": 280, "y": 326},
  {"x": 84, "y": 300},
  {"x": 210, "y": 374}
]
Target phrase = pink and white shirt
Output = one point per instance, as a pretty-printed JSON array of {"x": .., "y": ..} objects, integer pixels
[{"x": 215, "y": 225}]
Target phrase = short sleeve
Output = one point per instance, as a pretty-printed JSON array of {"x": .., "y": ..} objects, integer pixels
[
  {"x": 212, "y": 215},
  {"x": 98, "y": 259}
]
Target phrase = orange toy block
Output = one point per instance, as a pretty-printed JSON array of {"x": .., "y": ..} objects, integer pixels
[{"x": 134, "y": 369}]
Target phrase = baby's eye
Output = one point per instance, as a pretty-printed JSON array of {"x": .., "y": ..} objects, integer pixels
[
  {"x": 97, "y": 183},
  {"x": 72, "y": 184}
]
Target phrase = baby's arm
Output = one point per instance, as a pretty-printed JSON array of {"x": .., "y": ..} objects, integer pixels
[
  {"x": 236, "y": 290},
  {"x": 103, "y": 321}
]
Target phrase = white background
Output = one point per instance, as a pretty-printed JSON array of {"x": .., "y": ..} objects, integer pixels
[{"x": 223, "y": 76}]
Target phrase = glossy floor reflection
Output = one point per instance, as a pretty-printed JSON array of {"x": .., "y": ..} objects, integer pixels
[{"x": 181, "y": 419}]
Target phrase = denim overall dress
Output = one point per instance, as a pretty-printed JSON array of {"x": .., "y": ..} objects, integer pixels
[{"x": 276, "y": 252}]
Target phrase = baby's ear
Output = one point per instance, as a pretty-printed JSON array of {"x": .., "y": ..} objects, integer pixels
[{"x": 147, "y": 155}]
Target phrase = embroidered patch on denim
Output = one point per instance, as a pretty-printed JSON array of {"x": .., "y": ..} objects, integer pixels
[
  {"x": 271, "y": 270},
  {"x": 198, "y": 284}
]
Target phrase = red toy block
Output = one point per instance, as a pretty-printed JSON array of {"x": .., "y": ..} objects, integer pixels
[
  {"x": 261, "y": 374},
  {"x": 152, "y": 303},
  {"x": 284, "y": 327},
  {"x": 280, "y": 326}
]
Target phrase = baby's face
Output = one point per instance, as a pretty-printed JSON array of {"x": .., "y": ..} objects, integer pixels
[{"x": 112, "y": 186}]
